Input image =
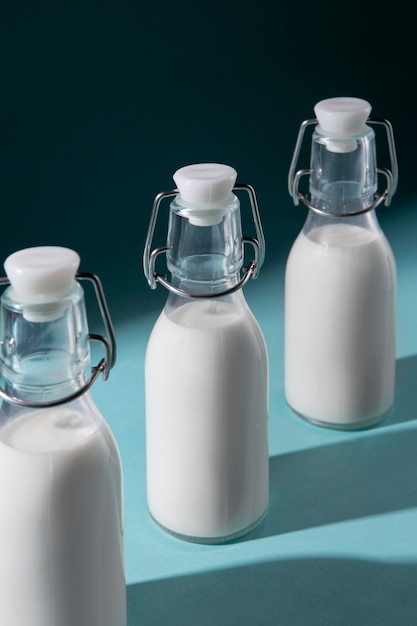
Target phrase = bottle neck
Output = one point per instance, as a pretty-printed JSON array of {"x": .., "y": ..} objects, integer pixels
[
  {"x": 343, "y": 177},
  {"x": 44, "y": 356},
  {"x": 205, "y": 256}
]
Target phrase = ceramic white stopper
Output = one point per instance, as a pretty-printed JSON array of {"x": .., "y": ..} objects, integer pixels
[
  {"x": 42, "y": 273},
  {"x": 342, "y": 116},
  {"x": 205, "y": 188},
  {"x": 343, "y": 119},
  {"x": 41, "y": 276}
]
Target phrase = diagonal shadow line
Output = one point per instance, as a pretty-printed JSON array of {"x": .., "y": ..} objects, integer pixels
[
  {"x": 341, "y": 482},
  {"x": 292, "y": 592},
  {"x": 373, "y": 474}
]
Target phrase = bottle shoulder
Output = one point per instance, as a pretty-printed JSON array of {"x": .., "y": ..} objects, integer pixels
[
  {"x": 54, "y": 429},
  {"x": 211, "y": 324},
  {"x": 208, "y": 312},
  {"x": 341, "y": 255},
  {"x": 209, "y": 342},
  {"x": 331, "y": 236}
]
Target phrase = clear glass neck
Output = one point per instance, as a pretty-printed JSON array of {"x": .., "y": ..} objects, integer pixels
[
  {"x": 43, "y": 357},
  {"x": 343, "y": 177},
  {"x": 205, "y": 253}
]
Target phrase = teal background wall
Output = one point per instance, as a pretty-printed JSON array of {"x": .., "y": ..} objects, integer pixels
[{"x": 102, "y": 101}]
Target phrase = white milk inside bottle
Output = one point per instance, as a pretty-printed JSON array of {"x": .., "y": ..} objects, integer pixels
[
  {"x": 61, "y": 524},
  {"x": 206, "y": 375},
  {"x": 340, "y": 282},
  {"x": 340, "y": 316}
]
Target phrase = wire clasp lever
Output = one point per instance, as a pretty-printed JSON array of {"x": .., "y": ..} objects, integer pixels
[
  {"x": 391, "y": 175},
  {"x": 257, "y": 243},
  {"x": 102, "y": 368}
]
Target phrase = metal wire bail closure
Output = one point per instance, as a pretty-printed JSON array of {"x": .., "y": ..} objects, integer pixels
[
  {"x": 252, "y": 271},
  {"x": 391, "y": 176},
  {"x": 103, "y": 367}
]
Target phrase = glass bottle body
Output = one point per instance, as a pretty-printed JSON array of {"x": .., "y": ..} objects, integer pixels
[
  {"x": 61, "y": 523},
  {"x": 340, "y": 292},
  {"x": 206, "y": 407}
]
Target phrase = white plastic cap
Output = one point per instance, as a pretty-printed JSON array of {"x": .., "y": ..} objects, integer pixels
[
  {"x": 342, "y": 118},
  {"x": 205, "y": 188},
  {"x": 41, "y": 276}
]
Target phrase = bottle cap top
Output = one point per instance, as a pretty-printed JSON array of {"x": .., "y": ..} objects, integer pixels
[
  {"x": 205, "y": 187},
  {"x": 41, "y": 276},
  {"x": 342, "y": 116}
]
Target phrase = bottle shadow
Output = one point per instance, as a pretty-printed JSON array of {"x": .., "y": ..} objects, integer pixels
[
  {"x": 373, "y": 473},
  {"x": 405, "y": 404},
  {"x": 295, "y": 592}
]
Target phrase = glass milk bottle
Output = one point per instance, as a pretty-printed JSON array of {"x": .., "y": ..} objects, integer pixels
[
  {"x": 340, "y": 285},
  {"x": 206, "y": 367},
  {"x": 61, "y": 526}
]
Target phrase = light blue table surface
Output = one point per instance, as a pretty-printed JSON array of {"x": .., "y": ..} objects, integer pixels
[{"x": 339, "y": 545}]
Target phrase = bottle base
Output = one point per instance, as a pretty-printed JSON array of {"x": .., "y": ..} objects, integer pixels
[
  {"x": 212, "y": 540},
  {"x": 351, "y": 425}
]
